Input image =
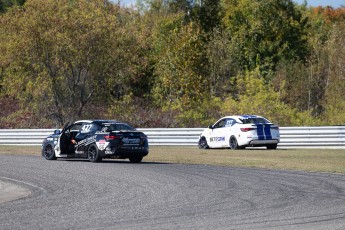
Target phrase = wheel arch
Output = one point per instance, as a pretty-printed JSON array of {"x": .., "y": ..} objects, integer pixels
[
  {"x": 44, "y": 146},
  {"x": 236, "y": 145},
  {"x": 96, "y": 157},
  {"x": 203, "y": 137}
]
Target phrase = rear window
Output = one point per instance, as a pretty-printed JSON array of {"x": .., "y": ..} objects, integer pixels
[
  {"x": 255, "y": 120},
  {"x": 124, "y": 127},
  {"x": 108, "y": 127}
]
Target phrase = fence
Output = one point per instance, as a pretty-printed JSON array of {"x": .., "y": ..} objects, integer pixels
[{"x": 291, "y": 137}]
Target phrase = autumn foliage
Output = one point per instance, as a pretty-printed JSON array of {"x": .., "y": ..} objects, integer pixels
[{"x": 170, "y": 63}]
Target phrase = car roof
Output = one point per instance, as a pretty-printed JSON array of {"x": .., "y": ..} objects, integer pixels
[
  {"x": 239, "y": 118},
  {"x": 245, "y": 116},
  {"x": 97, "y": 121}
]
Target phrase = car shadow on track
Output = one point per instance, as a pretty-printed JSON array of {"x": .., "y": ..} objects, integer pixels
[
  {"x": 115, "y": 161},
  {"x": 128, "y": 162}
]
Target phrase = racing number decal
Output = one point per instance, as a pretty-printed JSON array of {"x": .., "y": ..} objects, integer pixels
[
  {"x": 228, "y": 123},
  {"x": 86, "y": 128}
]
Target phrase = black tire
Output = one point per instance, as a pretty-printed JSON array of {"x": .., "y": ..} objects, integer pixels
[
  {"x": 233, "y": 143},
  {"x": 136, "y": 159},
  {"x": 48, "y": 152},
  {"x": 93, "y": 154},
  {"x": 203, "y": 143},
  {"x": 273, "y": 146}
]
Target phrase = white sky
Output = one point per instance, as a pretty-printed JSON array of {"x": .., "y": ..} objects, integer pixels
[{"x": 333, "y": 3}]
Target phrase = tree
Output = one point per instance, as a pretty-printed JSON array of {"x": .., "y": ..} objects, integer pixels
[
  {"x": 221, "y": 66},
  {"x": 264, "y": 32},
  {"x": 60, "y": 56},
  {"x": 333, "y": 101},
  {"x": 312, "y": 85},
  {"x": 298, "y": 86},
  {"x": 206, "y": 13},
  {"x": 5, "y": 4},
  {"x": 180, "y": 67},
  {"x": 255, "y": 96}
]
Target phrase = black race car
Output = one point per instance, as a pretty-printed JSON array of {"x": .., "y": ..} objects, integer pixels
[{"x": 96, "y": 139}]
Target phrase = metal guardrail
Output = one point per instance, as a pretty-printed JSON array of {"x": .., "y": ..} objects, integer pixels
[{"x": 291, "y": 137}]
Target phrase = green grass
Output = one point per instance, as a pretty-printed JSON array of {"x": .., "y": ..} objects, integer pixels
[{"x": 318, "y": 160}]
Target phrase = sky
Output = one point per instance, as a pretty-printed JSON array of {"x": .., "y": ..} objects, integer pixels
[{"x": 333, "y": 3}]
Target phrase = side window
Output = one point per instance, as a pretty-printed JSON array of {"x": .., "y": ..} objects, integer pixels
[
  {"x": 230, "y": 122},
  {"x": 220, "y": 124},
  {"x": 76, "y": 127},
  {"x": 96, "y": 128},
  {"x": 73, "y": 128}
]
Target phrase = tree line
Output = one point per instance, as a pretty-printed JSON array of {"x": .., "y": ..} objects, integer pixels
[{"x": 170, "y": 63}]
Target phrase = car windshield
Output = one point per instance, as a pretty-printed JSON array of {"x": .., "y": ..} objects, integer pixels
[
  {"x": 255, "y": 120},
  {"x": 108, "y": 127}
]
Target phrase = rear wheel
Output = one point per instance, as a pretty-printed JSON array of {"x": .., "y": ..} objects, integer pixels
[
  {"x": 136, "y": 159},
  {"x": 48, "y": 152},
  {"x": 93, "y": 154},
  {"x": 203, "y": 143},
  {"x": 233, "y": 143},
  {"x": 273, "y": 146}
]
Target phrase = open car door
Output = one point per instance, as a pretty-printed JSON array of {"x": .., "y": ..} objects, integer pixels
[{"x": 61, "y": 146}]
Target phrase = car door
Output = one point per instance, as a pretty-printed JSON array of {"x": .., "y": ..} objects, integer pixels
[
  {"x": 74, "y": 130},
  {"x": 228, "y": 130},
  {"x": 85, "y": 137},
  {"x": 60, "y": 147},
  {"x": 217, "y": 136}
]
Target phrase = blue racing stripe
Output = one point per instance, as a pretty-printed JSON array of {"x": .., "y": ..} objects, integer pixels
[
  {"x": 260, "y": 131},
  {"x": 268, "y": 132}
]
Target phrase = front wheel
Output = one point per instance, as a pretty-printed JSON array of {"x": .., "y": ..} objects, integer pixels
[
  {"x": 203, "y": 143},
  {"x": 93, "y": 154},
  {"x": 48, "y": 152}
]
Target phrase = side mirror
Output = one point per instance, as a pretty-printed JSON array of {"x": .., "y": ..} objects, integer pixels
[
  {"x": 57, "y": 132},
  {"x": 210, "y": 127}
]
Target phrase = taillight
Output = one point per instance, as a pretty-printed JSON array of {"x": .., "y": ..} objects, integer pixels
[
  {"x": 246, "y": 129},
  {"x": 111, "y": 137}
]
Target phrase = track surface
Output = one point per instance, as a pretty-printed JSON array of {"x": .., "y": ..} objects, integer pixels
[{"x": 70, "y": 194}]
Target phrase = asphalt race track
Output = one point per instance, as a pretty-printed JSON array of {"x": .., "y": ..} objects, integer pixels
[{"x": 72, "y": 194}]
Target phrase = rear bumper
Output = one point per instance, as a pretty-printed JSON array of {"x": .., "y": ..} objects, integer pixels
[
  {"x": 126, "y": 152},
  {"x": 263, "y": 142}
]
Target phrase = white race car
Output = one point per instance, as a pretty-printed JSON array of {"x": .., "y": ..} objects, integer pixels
[{"x": 238, "y": 132}]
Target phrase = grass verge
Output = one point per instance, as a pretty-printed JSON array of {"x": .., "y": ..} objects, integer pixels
[{"x": 318, "y": 160}]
